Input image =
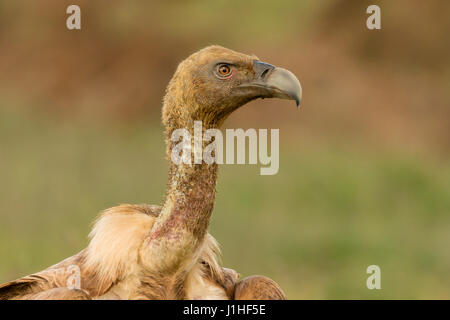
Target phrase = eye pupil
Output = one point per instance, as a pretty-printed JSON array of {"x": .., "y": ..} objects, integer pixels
[{"x": 224, "y": 70}]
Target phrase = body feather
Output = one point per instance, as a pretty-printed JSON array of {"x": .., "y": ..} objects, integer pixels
[{"x": 110, "y": 266}]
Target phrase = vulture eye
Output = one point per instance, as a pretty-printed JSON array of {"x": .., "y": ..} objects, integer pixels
[{"x": 223, "y": 70}]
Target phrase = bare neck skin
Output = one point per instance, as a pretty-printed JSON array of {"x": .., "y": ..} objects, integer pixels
[{"x": 179, "y": 231}]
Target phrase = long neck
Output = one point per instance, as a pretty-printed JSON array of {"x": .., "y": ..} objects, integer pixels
[{"x": 183, "y": 222}]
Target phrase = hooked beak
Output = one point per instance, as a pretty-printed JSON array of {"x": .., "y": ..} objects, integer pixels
[{"x": 276, "y": 82}]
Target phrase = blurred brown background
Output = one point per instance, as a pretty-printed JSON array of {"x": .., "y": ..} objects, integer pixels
[{"x": 364, "y": 166}]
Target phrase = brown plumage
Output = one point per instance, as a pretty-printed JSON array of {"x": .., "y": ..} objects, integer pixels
[{"x": 153, "y": 252}]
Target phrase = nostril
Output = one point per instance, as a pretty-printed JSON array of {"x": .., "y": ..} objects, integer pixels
[
  {"x": 265, "y": 72},
  {"x": 262, "y": 69}
]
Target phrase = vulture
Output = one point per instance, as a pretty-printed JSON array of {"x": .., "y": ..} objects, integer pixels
[{"x": 165, "y": 252}]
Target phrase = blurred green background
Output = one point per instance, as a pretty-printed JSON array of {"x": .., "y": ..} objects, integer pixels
[{"x": 364, "y": 165}]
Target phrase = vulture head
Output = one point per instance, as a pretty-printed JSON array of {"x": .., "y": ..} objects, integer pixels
[{"x": 213, "y": 82}]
